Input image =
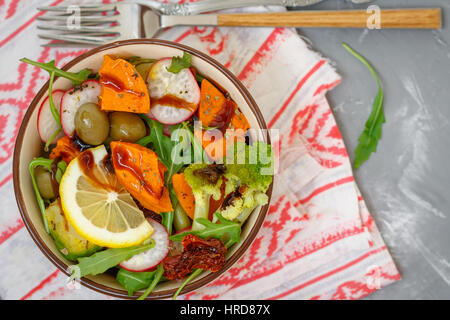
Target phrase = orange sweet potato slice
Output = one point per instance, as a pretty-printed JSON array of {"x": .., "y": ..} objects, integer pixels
[
  {"x": 141, "y": 174},
  {"x": 215, "y": 144},
  {"x": 184, "y": 193},
  {"x": 65, "y": 150},
  {"x": 212, "y": 102},
  {"x": 239, "y": 121},
  {"x": 123, "y": 88}
]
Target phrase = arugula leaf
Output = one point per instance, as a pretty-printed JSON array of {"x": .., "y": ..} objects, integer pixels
[
  {"x": 170, "y": 151},
  {"x": 103, "y": 260},
  {"x": 62, "y": 166},
  {"x": 369, "y": 138},
  {"x": 231, "y": 231},
  {"x": 156, "y": 279},
  {"x": 54, "y": 111},
  {"x": 136, "y": 60},
  {"x": 199, "y": 77},
  {"x": 162, "y": 144},
  {"x": 134, "y": 281},
  {"x": 76, "y": 78},
  {"x": 199, "y": 155},
  {"x": 195, "y": 273},
  {"x": 224, "y": 230},
  {"x": 179, "y": 63},
  {"x": 47, "y": 163},
  {"x": 53, "y": 71}
]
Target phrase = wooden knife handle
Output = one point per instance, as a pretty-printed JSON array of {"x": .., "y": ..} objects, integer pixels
[{"x": 395, "y": 18}]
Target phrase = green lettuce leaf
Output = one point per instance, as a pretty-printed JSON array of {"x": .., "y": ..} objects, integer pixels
[
  {"x": 134, "y": 281},
  {"x": 101, "y": 261}
]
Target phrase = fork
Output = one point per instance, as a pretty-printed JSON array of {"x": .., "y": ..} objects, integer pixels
[
  {"x": 130, "y": 20},
  {"x": 198, "y": 6}
]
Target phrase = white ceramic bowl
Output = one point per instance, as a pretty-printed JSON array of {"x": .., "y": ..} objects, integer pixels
[{"x": 28, "y": 146}]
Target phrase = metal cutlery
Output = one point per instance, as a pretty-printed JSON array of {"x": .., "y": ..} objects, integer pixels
[
  {"x": 102, "y": 24},
  {"x": 197, "y": 7}
]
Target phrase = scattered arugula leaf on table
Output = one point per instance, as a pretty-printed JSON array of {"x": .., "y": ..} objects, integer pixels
[{"x": 368, "y": 141}]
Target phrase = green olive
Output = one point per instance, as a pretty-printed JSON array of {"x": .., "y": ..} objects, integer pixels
[
  {"x": 45, "y": 183},
  {"x": 126, "y": 126},
  {"x": 180, "y": 219},
  {"x": 91, "y": 124}
]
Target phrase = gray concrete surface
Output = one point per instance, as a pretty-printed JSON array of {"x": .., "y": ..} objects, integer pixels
[{"x": 407, "y": 182}]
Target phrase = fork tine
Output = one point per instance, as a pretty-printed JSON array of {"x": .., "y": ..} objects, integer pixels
[
  {"x": 83, "y": 8},
  {"x": 80, "y": 29},
  {"x": 78, "y": 38},
  {"x": 101, "y": 19},
  {"x": 66, "y": 44}
]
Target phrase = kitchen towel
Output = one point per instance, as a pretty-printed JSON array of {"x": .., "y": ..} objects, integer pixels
[{"x": 318, "y": 240}]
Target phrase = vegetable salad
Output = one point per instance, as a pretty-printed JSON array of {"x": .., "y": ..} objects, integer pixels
[{"x": 147, "y": 170}]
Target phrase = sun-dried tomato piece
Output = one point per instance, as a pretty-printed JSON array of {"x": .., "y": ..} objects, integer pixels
[{"x": 198, "y": 253}]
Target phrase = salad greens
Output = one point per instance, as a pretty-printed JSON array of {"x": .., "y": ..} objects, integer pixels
[
  {"x": 368, "y": 141},
  {"x": 136, "y": 60},
  {"x": 226, "y": 229},
  {"x": 155, "y": 281},
  {"x": 167, "y": 223},
  {"x": 76, "y": 78},
  {"x": 47, "y": 163},
  {"x": 180, "y": 63},
  {"x": 170, "y": 150},
  {"x": 194, "y": 274},
  {"x": 134, "y": 281},
  {"x": 103, "y": 260},
  {"x": 162, "y": 145},
  {"x": 190, "y": 180}
]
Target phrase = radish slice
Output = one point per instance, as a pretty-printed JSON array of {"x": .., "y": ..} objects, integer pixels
[
  {"x": 162, "y": 83},
  {"x": 88, "y": 91},
  {"x": 46, "y": 124},
  {"x": 151, "y": 258},
  {"x": 166, "y": 130}
]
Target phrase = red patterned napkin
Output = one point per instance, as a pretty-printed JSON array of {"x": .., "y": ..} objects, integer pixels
[{"x": 318, "y": 240}]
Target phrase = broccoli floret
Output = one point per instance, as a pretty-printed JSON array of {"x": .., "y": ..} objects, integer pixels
[
  {"x": 251, "y": 165},
  {"x": 205, "y": 181},
  {"x": 240, "y": 207},
  {"x": 249, "y": 174}
]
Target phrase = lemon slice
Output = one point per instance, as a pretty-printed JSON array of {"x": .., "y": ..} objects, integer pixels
[{"x": 97, "y": 206}]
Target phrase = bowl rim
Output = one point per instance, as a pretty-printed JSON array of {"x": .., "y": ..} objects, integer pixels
[{"x": 56, "y": 260}]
